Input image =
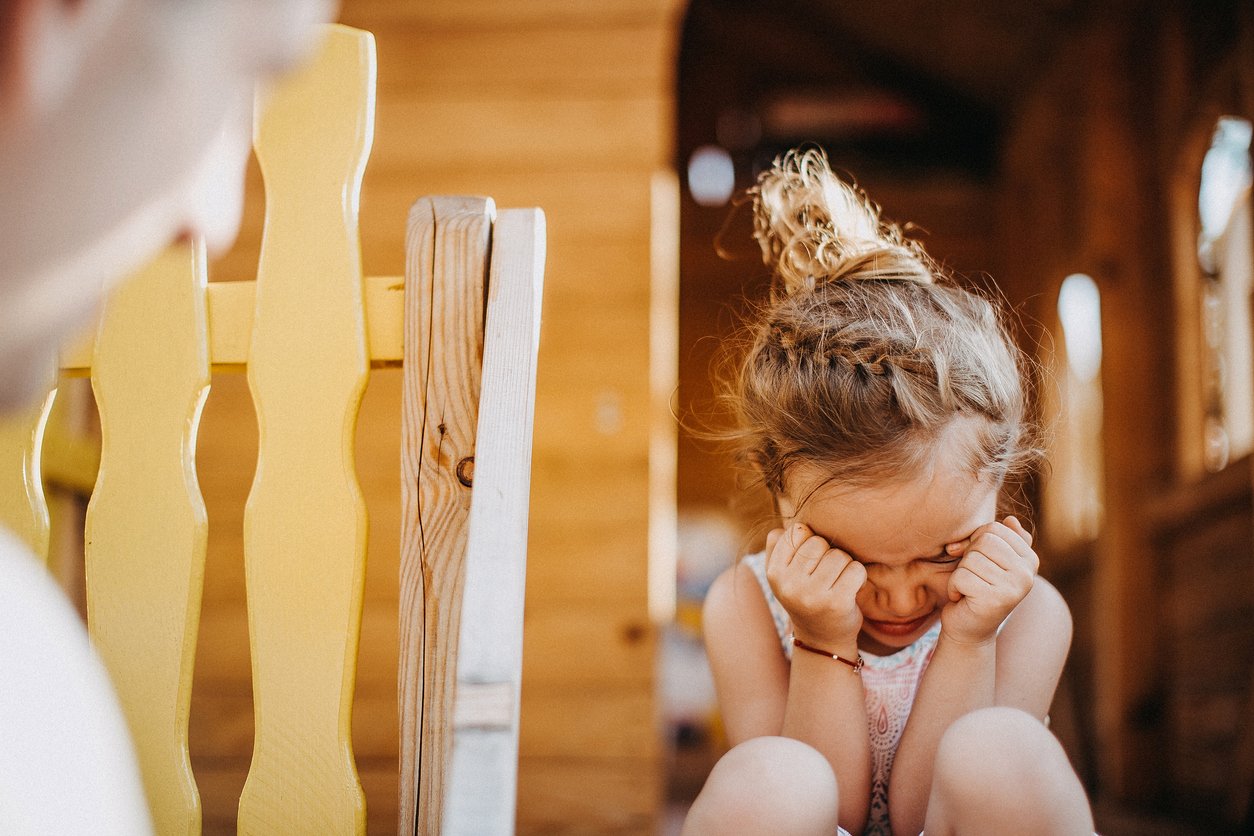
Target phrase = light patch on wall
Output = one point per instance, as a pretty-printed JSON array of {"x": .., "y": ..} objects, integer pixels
[
  {"x": 1080, "y": 310},
  {"x": 1074, "y": 484},
  {"x": 711, "y": 175}
]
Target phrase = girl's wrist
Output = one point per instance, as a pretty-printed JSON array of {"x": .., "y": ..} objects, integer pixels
[
  {"x": 845, "y": 649},
  {"x": 970, "y": 642}
]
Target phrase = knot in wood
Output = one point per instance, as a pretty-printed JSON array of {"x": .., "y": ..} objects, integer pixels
[{"x": 466, "y": 471}]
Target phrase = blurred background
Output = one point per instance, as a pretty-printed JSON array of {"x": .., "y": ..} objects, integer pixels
[{"x": 1088, "y": 161}]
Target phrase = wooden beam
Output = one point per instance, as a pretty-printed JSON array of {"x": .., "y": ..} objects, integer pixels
[{"x": 231, "y": 309}]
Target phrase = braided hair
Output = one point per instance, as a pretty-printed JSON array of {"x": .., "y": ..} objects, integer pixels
[{"x": 866, "y": 351}]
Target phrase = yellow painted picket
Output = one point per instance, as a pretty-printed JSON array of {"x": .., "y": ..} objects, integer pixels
[
  {"x": 23, "y": 509},
  {"x": 305, "y": 523},
  {"x": 150, "y": 374}
]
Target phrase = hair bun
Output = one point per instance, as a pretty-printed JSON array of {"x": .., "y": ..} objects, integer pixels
[{"x": 813, "y": 228}]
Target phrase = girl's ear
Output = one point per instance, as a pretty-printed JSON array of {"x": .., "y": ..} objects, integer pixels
[{"x": 43, "y": 44}]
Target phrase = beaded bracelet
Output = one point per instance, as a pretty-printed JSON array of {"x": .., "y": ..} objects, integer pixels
[{"x": 857, "y": 666}]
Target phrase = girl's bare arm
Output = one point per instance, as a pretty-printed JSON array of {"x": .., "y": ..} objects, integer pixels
[
  {"x": 1018, "y": 667},
  {"x": 815, "y": 700}
]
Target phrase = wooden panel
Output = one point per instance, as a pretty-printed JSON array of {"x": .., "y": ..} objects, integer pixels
[
  {"x": 419, "y": 62},
  {"x": 508, "y": 134},
  {"x": 589, "y": 723},
  {"x": 501, "y": 14},
  {"x": 483, "y": 777},
  {"x": 613, "y": 494},
  {"x": 146, "y": 527},
  {"x": 573, "y": 561},
  {"x": 616, "y": 644},
  {"x": 23, "y": 509},
  {"x": 571, "y": 796},
  {"x": 586, "y": 211},
  {"x": 305, "y": 525}
]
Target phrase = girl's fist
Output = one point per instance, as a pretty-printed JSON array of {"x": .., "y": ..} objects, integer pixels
[
  {"x": 996, "y": 572},
  {"x": 817, "y": 585}
]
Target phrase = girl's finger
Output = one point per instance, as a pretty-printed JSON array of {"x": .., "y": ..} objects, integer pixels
[
  {"x": 790, "y": 540},
  {"x": 953, "y": 549},
  {"x": 982, "y": 567},
  {"x": 829, "y": 568},
  {"x": 963, "y": 582},
  {"x": 852, "y": 578},
  {"x": 1000, "y": 543},
  {"x": 1012, "y": 522},
  {"x": 772, "y": 537},
  {"x": 810, "y": 552}
]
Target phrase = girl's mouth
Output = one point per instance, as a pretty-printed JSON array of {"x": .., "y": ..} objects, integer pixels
[{"x": 897, "y": 629}]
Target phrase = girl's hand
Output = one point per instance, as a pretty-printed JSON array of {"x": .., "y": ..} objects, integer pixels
[
  {"x": 818, "y": 586},
  {"x": 996, "y": 572}
]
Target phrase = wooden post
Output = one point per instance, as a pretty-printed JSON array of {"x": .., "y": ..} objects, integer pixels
[{"x": 447, "y": 245}]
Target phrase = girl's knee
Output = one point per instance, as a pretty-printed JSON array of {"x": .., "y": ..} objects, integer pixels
[
  {"x": 767, "y": 785},
  {"x": 1004, "y": 764},
  {"x": 998, "y": 747}
]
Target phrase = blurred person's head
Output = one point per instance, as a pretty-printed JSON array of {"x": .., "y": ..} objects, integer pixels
[{"x": 123, "y": 125}]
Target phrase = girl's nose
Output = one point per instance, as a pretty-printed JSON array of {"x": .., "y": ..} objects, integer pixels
[{"x": 900, "y": 597}]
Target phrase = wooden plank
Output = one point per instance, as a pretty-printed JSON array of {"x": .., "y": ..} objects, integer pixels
[
  {"x": 587, "y": 796},
  {"x": 305, "y": 525},
  {"x": 506, "y": 14},
  {"x": 483, "y": 776},
  {"x": 446, "y": 267},
  {"x": 663, "y": 357},
  {"x": 596, "y": 723},
  {"x": 572, "y": 561},
  {"x": 146, "y": 527},
  {"x": 584, "y": 208},
  {"x": 569, "y": 62},
  {"x": 232, "y": 307},
  {"x": 508, "y": 134},
  {"x": 23, "y": 508},
  {"x": 616, "y": 645}
]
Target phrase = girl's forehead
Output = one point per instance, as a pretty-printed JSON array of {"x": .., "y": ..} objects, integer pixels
[{"x": 904, "y": 519}]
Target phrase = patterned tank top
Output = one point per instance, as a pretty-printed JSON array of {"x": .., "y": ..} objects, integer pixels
[{"x": 890, "y": 683}]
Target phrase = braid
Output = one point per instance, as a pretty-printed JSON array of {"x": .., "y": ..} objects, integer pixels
[{"x": 866, "y": 351}]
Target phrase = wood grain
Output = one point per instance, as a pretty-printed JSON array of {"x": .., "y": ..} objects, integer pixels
[
  {"x": 305, "y": 523},
  {"x": 445, "y": 273},
  {"x": 146, "y": 525}
]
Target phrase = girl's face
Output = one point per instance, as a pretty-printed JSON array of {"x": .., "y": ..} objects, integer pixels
[{"x": 909, "y": 535}]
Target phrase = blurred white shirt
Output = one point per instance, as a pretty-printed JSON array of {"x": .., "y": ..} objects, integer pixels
[{"x": 67, "y": 765}]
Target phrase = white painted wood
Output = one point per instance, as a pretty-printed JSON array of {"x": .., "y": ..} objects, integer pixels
[{"x": 481, "y": 792}]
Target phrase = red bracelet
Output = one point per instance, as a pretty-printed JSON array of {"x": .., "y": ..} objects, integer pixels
[{"x": 857, "y": 666}]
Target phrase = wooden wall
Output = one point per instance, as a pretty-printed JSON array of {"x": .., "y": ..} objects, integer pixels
[
  {"x": 1100, "y": 176},
  {"x": 566, "y": 105}
]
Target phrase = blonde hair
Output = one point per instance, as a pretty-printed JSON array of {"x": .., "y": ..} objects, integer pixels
[{"x": 866, "y": 351}]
